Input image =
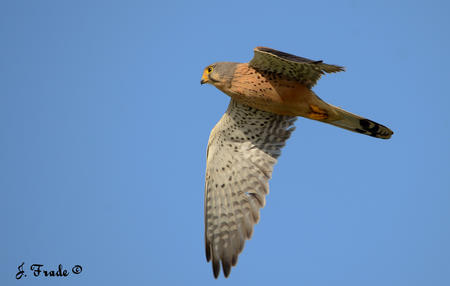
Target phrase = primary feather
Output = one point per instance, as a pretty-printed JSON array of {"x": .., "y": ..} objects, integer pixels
[{"x": 243, "y": 148}]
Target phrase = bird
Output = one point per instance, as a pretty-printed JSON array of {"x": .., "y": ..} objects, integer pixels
[{"x": 267, "y": 95}]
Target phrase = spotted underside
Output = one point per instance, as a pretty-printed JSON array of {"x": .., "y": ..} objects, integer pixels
[
  {"x": 303, "y": 70},
  {"x": 243, "y": 148}
]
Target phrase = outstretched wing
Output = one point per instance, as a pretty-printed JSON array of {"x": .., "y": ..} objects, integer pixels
[
  {"x": 289, "y": 66},
  {"x": 243, "y": 148}
]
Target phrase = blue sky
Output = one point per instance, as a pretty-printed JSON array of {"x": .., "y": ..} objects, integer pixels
[{"x": 104, "y": 128}]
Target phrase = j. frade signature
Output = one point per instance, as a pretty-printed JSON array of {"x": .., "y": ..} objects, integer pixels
[{"x": 38, "y": 270}]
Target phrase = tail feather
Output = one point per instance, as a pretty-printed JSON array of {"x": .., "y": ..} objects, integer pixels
[{"x": 360, "y": 124}]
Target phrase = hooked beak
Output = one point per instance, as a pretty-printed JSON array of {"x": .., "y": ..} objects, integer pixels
[{"x": 204, "y": 79}]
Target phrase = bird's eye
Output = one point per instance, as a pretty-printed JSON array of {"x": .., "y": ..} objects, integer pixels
[{"x": 210, "y": 69}]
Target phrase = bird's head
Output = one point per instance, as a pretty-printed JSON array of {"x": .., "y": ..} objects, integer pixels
[{"x": 219, "y": 74}]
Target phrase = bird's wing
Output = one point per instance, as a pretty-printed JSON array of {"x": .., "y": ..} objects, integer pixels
[
  {"x": 304, "y": 70},
  {"x": 243, "y": 148}
]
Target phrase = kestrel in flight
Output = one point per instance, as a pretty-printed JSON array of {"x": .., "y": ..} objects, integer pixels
[{"x": 267, "y": 94}]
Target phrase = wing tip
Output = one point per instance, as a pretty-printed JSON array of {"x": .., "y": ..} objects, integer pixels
[
  {"x": 226, "y": 267},
  {"x": 216, "y": 268},
  {"x": 208, "y": 252},
  {"x": 261, "y": 48}
]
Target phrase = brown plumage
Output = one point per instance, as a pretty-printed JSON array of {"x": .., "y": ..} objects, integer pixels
[
  {"x": 267, "y": 94},
  {"x": 273, "y": 93}
]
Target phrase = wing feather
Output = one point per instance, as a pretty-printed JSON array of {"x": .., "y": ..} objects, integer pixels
[
  {"x": 304, "y": 70},
  {"x": 242, "y": 150}
]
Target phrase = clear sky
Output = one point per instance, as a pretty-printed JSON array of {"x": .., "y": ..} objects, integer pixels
[{"x": 104, "y": 127}]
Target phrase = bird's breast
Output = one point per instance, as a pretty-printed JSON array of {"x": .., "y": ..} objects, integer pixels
[{"x": 269, "y": 92}]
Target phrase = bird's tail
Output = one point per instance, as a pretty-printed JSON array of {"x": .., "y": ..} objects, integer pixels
[{"x": 360, "y": 124}]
